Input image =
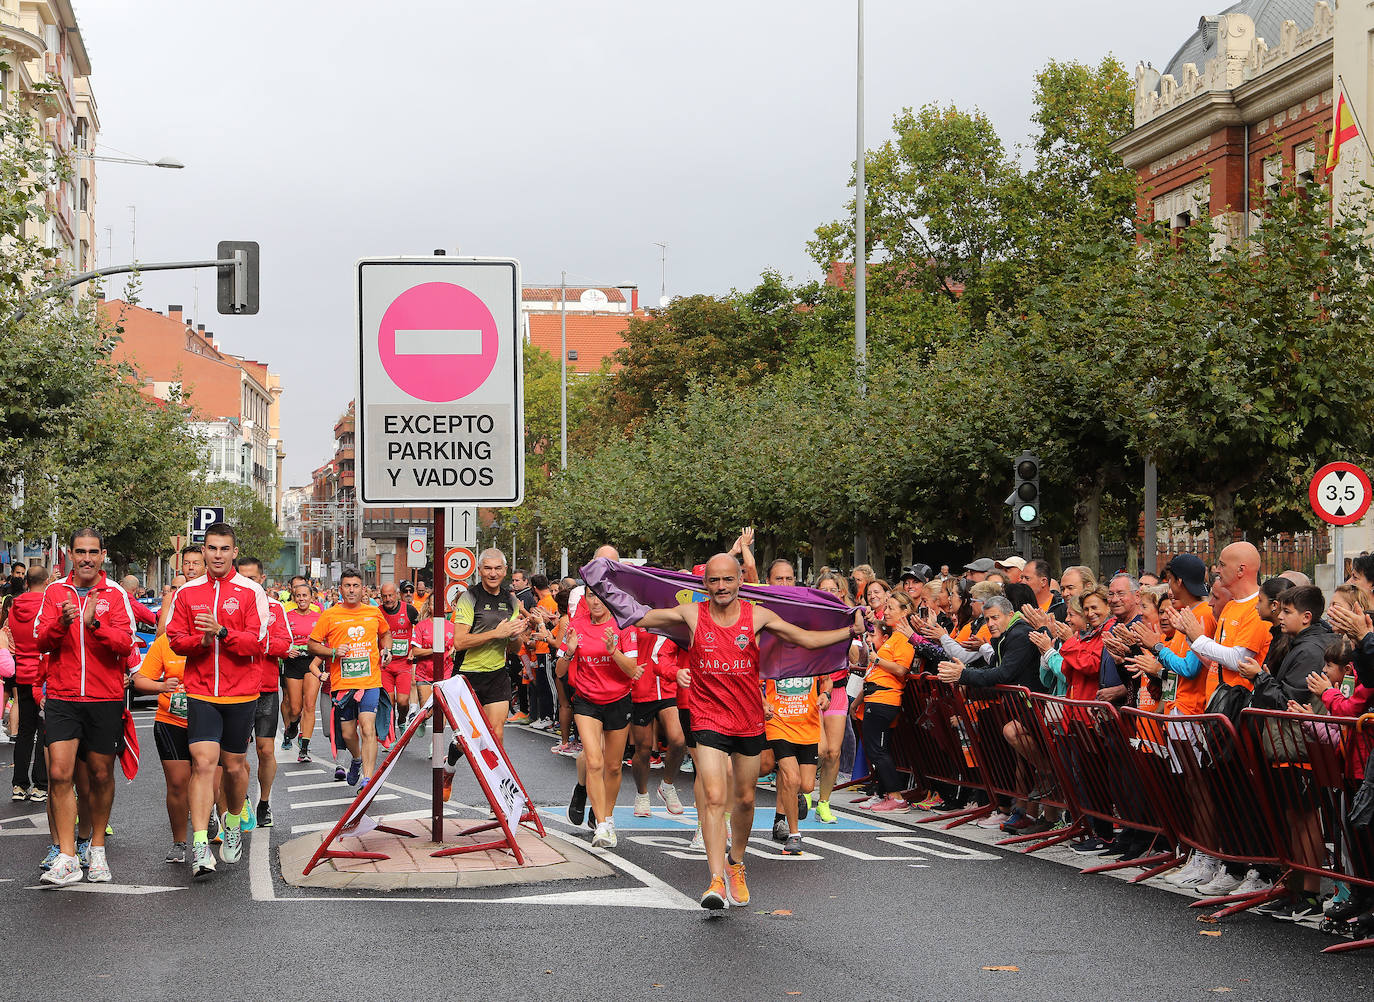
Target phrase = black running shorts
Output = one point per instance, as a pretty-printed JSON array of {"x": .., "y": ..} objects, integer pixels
[
  {"x": 97, "y": 726},
  {"x": 731, "y": 744},
  {"x": 171, "y": 742},
  {"x": 229, "y": 725},
  {"x": 613, "y": 716},
  {"x": 643, "y": 714}
]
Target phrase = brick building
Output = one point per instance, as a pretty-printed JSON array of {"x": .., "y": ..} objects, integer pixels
[{"x": 596, "y": 320}]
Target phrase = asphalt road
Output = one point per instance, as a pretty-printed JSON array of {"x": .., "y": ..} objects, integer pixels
[{"x": 872, "y": 910}]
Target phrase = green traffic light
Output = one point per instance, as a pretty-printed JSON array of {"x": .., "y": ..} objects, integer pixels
[{"x": 1026, "y": 513}]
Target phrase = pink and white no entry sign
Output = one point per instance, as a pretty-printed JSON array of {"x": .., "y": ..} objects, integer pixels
[{"x": 438, "y": 341}]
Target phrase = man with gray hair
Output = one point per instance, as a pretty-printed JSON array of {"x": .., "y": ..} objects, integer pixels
[
  {"x": 1015, "y": 660},
  {"x": 487, "y": 622},
  {"x": 1115, "y": 684}
]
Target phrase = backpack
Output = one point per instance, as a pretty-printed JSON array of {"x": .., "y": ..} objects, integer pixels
[{"x": 1229, "y": 700}]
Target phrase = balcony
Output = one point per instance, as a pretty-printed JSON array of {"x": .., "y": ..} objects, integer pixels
[{"x": 395, "y": 523}]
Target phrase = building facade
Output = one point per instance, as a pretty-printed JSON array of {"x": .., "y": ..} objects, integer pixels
[
  {"x": 45, "y": 45},
  {"x": 596, "y": 320}
]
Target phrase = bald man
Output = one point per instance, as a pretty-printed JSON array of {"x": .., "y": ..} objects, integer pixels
[
  {"x": 143, "y": 616},
  {"x": 727, "y": 707},
  {"x": 1299, "y": 579},
  {"x": 1242, "y": 636}
]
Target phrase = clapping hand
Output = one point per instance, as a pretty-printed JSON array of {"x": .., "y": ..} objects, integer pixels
[
  {"x": 1147, "y": 636},
  {"x": 1042, "y": 640}
]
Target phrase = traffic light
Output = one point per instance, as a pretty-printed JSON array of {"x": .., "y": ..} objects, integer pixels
[
  {"x": 1024, "y": 500},
  {"x": 237, "y": 286}
]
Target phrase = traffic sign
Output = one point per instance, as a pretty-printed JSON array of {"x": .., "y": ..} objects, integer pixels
[
  {"x": 1340, "y": 493},
  {"x": 202, "y": 519},
  {"x": 416, "y": 546},
  {"x": 459, "y": 562},
  {"x": 460, "y": 527},
  {"x": 455, "y": 588},
  {"x": 440, "y": 394}
]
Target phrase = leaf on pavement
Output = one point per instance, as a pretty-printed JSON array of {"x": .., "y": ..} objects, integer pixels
[
  {"x": 1207, "y": 918},
  {"x": 1209, "y": 932},
  {"x": 1222, "y": 988},
  {"x": 1003, "y": 967},
  {"x": 781, "y": 911}
]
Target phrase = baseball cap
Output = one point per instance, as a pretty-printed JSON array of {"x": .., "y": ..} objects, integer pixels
[
  {"x": 918, "y": 572},
  {"x": 982, "y": 565},
  {"x": 1191, "y": 571},
  {"x": 1018, "y": 562}
]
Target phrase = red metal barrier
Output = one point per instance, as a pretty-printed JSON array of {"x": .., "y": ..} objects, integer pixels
[
  {"x": 1111, "y": 780},
  {"x": 932, "y": 741},
  {"x": 1310, "y": 767},
  {"x": 1209, "y": 794}
]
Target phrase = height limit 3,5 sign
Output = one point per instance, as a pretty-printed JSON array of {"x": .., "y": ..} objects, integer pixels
[
  {"x": 440, "y": 403},
  {"x": 1340, "y": 494}
]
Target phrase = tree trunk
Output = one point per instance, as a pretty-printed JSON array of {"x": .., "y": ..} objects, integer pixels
[
  {"x": 820, "y": 547},
  {"x": 1056, "y": 562},
  {"x": 1087, "y": 520},
  {"x": 769, "y": 554},
  {"x": 904, "y": 540},
  {"x": 876, "y": 537},
  {"x": 1224, "y": 516},
  {"x": 1132, "y": 537}
]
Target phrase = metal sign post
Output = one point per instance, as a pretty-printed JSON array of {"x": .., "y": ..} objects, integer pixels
[{"x": 438, "y": 751}]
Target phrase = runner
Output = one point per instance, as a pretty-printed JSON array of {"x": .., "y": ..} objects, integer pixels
[
  {"x": 792, "y": 723},
  {"x": 834, "y": 715},
  {"x": 654, "y": 701},
  {"x": 422, "y": 649},
  {"x": 397, "y": 676},
  {"x": 301, "y": 674},
  {"x": 86, "y": 627},
  {"x": 602, "y": 666},
  {"x": 219, "y": 624},
  {"x": 727, "y": 708},
  {"x": 30, "y": 668},
  {"x": 487, "y": 625},
  {"x": 355, "y": 638},
  {"x": 269, "y": 700},
  {"x": 163, "y": 672}
]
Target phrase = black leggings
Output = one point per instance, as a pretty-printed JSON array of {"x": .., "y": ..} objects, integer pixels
[
  {"x": 877, "y": 731},
  {"x": 30, "y": 767}
]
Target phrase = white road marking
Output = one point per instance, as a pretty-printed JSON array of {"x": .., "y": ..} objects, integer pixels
[
  {"x": 260, "y": 864},
  {"x": 37, "y": 825},
  {"x": 438, "y": 342},
  {"x": 90, "y": 888},
  {"x": 341, "y": 801},
  {"x": 326, "y": 785},
  {"x": 668, "y": 896}
]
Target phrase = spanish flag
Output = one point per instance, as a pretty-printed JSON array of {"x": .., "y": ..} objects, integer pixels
[{"x": 1343, "y": 128}]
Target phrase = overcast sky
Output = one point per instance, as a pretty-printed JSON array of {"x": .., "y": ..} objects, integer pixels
[{"x": 572, "y": 136}]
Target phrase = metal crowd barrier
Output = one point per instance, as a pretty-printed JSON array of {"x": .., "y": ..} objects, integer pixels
[{"x": 937, "y": 745}]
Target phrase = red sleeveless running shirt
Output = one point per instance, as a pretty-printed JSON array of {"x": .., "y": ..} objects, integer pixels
[{"x": 726, "y": 695}]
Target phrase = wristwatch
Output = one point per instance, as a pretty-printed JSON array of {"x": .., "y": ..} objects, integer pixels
[
  {"x": 95, "y": 624},
  {"x": 223, "y": 632}
]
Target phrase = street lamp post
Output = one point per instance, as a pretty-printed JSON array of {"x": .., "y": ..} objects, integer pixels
[{"x": 860, "y": 252}]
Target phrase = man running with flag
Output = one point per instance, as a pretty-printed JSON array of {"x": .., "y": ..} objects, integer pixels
[{"x": 721, "y": 637}]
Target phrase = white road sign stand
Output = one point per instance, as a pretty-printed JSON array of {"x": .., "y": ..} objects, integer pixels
[{"x": 440, "y": 404}]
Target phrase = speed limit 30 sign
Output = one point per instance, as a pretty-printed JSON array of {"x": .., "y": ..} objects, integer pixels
[
  {"x": 1340, "y": 493},
  {"x": 459, "y": 562}
]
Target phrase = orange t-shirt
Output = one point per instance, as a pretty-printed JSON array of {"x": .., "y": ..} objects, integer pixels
[
  {"x": 1191, "y": 694},
  {"x": 161, "y": 662},
  {"x": 896, "y": 648},
  {"x": 356, "y": 631},
  {"x": 1240, "y": 626},
  {"x": 796, "y": 713},
  {"x": 548, "y": 603}
]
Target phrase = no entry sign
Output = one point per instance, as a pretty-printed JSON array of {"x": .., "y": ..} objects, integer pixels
[
  {"x": 441, "y": 417},
  {"x": 1339, "y": 493}
]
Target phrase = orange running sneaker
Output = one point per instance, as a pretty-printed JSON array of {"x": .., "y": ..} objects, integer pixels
[
  {"x": 714, "y": 898},
  {"x": 736, "y": 888}
]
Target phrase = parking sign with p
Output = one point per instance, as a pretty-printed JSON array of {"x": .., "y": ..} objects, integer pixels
[{"x": 202, "y": 519}]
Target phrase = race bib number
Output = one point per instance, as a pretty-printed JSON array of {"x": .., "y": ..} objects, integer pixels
[
  {"x": 355, "y": 668},
  {"x": 177, "y": 705},
  {"x": 1170, "y": 692},
  {"x": 1348, "y": 686},
  {"x": 400, "y": 648}
]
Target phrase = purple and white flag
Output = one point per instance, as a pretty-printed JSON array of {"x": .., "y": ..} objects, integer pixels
[{"x": 630, "y": 592}]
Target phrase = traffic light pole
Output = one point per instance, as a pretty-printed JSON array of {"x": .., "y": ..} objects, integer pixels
[{"x": 1023, "y": 542}]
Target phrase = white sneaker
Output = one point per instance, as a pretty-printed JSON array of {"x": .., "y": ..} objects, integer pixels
[
  {"x": 202, "y": 860},
  {"x": 1253, "y": 884},
  {"x": 993, "y": 820},
  {"x": 697, "y": 841},
  {"x": 667, "y": 793},
  {"x": 231, "y": 842},
  {"x": 604, "y": 836},
  {"x": 642, "y": 809},
  {"x": 67, "y": 870},
  {"x": 1203, "y": 873},
  {"x": 1222, "y": 883},
  {"x": 99, "y": 870},
  {"x": 1188, "y": 869}
]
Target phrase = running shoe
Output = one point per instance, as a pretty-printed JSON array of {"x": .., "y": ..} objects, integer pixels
[
  {"x": 518, "y": 718},
  {"x": 292, "y": 730},
  {"x": 642, "y": 808},
  {"x": 264, "y": 815},
  {"x": 823, "y": 814},
  {"x": 247, "y": 819},
  {"x": 1202, "y": 874},
  {"x": 362, "y": 784},
  {"x": 176, "y": 854},
  {"x": 735, "y": 888},
  {"x": 770, "y": 781},
  {"x": 232, "y": 848},
  {"x": 792, "y": 846},
  {"x": 202, "y": 861},
  {"x": 655, "y": 761},
  {"x": 19, "y": 793},
  {"x": 697, "y": 841},
  {"x": 559, "y": 748},
  {"x": 339, "y": 774},
  {"x": 1299, "y": 909},
  {"x": 1090, "y": 846},
  {"x": 1254, "y": 884},
  {"x": 803, "y": 806},
  {"x": 993, "y": 821},
  {"x": 99, "y": 870},
  {"x": 604, "y": 836},
  {"x": 37, "y": 796},
  {"x": 667, "y": 793},
  {"x": 50, "y": 858},
  {"x": 714, "y": 898},
  {"x": 687, "y": 766},
  {"x": 64, "y": 870},
  {"x": 286, "y": 740},
  {"x": 302, "y": 756},
  {"x": 780, "y": 830},
  {"x": 931, "y": 802},
  {"x": 385, "y": 746},
  {"x": 355, "y": 770},
  {"x": 891, "y": 805},
  {"x": 212, "y": 829},
  {"x": 83, "y": 852},
  {"x": 1221, "y": 884},
  {"x": 577, "y": 805},
  {"x": 860, "y": 799}
]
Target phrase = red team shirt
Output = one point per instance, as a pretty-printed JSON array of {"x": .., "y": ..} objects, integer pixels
[
  {"x": 593, "y": 671},
  {"x": 726, "y": 694},
  {"x": 659, "y": 657}
]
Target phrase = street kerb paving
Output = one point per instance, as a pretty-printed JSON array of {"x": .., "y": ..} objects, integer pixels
[{"x": 412, "y": 866}]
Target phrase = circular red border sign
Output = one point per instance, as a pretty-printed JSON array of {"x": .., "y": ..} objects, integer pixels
[{"x": 1341, "y": 514}]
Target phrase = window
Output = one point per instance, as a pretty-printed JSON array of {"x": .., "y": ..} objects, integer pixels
[
  {"x": 82, "y": 133},
  {"x": 4, "y": 88},
  {"x": 84, "y": 197},
  {"x": 1273, "y": 175},
  {"x": 1305, "y": 163}
]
